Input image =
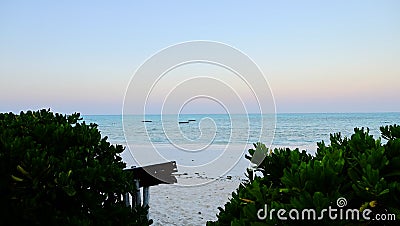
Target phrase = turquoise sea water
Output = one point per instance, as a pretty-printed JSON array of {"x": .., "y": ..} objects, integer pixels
[
  {"x": 291, "y": 130},
  {"x": 214, "y": 145}
]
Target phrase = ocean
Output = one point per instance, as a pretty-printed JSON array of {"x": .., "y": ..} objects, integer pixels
[
  {"x": 291, "y": 130},
  {"x": 214, "y": 145}
]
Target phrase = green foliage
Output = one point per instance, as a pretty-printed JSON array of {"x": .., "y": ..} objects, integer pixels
[
  {"x": 56, "y": 170},
  {"x": 361, "y": 169}
]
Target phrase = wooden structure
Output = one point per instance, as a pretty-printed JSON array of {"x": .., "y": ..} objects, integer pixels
[{"x": 148, "y": 176}]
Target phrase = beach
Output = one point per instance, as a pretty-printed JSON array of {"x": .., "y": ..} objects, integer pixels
[
  {"x": 200, "y": 188},
  {"x": 203, "y": 183},
  {"x": 183, "y": 205}
]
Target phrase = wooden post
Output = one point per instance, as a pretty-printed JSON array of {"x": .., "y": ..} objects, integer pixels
[
  {"x": 146, "y": 198},
  {"x": 138, "y": 200}
]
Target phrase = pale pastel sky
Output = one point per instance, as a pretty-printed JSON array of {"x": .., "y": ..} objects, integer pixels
[{"x": 318, "y": 56}]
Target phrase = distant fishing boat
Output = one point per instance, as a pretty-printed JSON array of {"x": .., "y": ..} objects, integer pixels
[
  {"x": 182, "y": 122},
  {"x": 191, "y": 120},
  {"x": 147, "y": 121}
]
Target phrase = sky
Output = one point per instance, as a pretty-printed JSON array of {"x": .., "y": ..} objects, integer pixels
[{"x": 318, "y": 56}]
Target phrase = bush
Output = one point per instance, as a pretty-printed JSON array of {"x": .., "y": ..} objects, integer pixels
[
  {"x": 56, "y": 170},
  {"x": 361, "y": 169}
]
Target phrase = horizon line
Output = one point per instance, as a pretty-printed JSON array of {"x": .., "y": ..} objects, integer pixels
[{"x": 252, "y": 113}]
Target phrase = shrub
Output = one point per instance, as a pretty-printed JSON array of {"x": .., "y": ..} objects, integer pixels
[
  {"x": 361, "y": 169},
  {"x": 57, "y": 170}
]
